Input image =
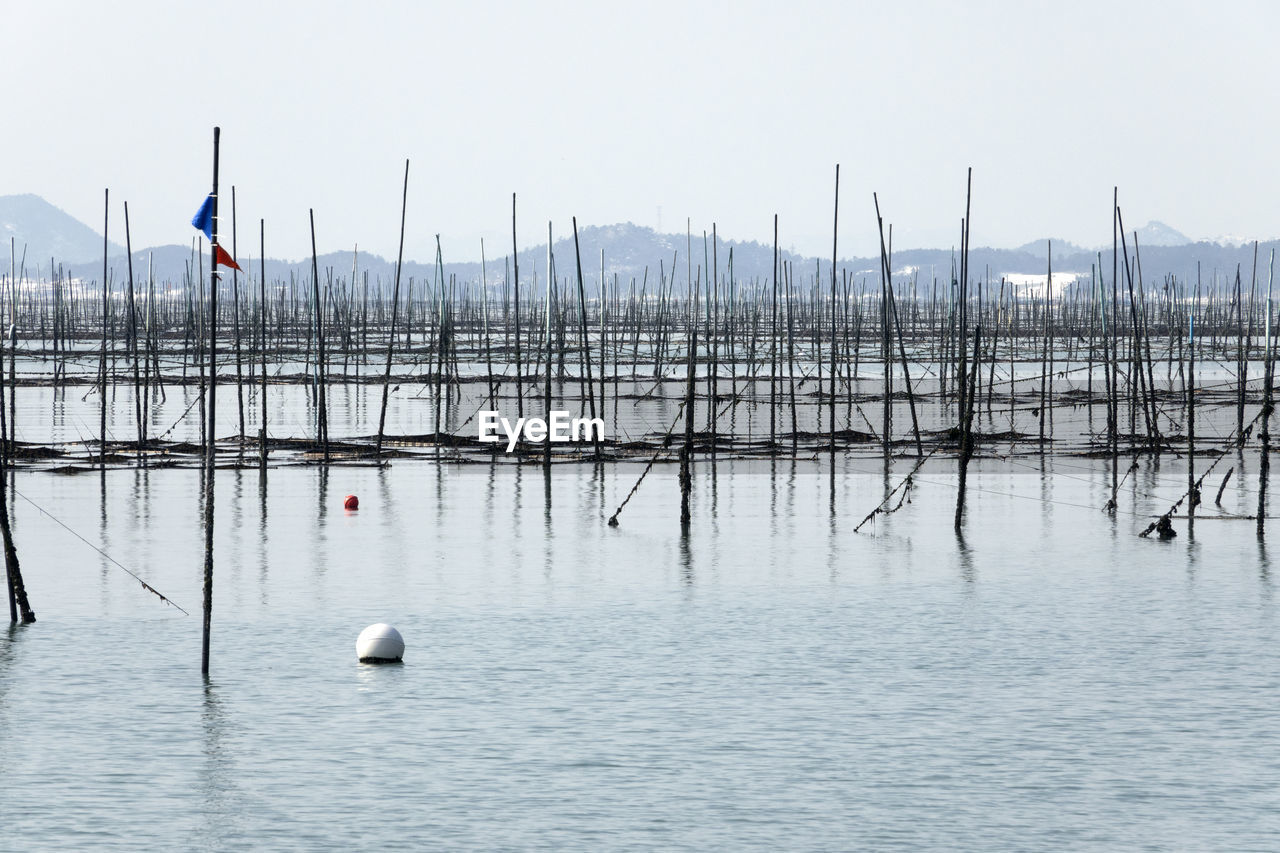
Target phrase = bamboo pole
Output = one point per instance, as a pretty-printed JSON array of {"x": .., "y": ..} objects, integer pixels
[
  {"x": 19, "y": 606},
  {"x": 586, "y": 347},
  {"x": 1264, "y": 464},
  {"x": 551, "y": 278},
  {"x": 395, "y": 305},
  {"x": 235, "y": 322},
  {"x": 102, "y": 358},
  {"x": 262, "y": 320},
  {"x": 831, "y": 397},
  {"x": 515, "y": 265},
  {"x": 966, "y": 432},
  {"x": 686, "y": 449},
  {"x": 132, "y": 341},
  {"x": 322, "y": 420},
  {"x": 773, "y": 350},
  {"x": 211, "y": 400},
  {"x": 1191, "y": 431}
]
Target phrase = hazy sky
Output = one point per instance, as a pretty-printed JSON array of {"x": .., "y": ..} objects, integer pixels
[{"x": 716, "y": 112}]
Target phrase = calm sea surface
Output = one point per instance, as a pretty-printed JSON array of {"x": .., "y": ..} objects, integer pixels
[{"x": 772, "y": 680}]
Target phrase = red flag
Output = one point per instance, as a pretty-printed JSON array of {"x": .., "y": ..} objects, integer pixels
[{"x": 224, "y": 259}]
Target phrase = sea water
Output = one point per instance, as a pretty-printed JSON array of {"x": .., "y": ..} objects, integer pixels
[{"x": 766, "y": 679}]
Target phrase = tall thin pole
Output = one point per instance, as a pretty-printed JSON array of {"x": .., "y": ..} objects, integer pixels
[
  {"x": 11, "y": 582},
  {"x": 235, "y": 320},
  {"x": 586, "y": 347},
  {"x": 209, "y": 441},
  {"x": 484, "y": 310},
  {"x": 515, "y": 279},
  {"x": 1268, "y": 403},
  {"x": 102, "y": 356},
  {"x": 966, "y": 428},
  {"x": 1193, "y": 497},
  {"x": 13, "y": 349},
  {"x": 831, "y": 400},
  {"x": 18, "y": 603},
  {"x": 551, "y": 280},
  {"x": 395, "y": 304},
  {"x": 132, "y": 328},
  {"x": 262, "y": 320},
  {"x": 686, "y": 449},
  {"x": 886, "y": 351},
  {"x": 773, "y": 349},
  {"x": 1113, "y": 405},
  {"x": 964, "y": 291},
  {"x": 322, "y": 420}
]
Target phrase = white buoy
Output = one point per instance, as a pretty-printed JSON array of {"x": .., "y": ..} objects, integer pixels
[{"x": 380, "y": 643}]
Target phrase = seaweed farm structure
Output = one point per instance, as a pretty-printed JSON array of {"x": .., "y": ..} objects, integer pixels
[{"x": 789, "y": 365}]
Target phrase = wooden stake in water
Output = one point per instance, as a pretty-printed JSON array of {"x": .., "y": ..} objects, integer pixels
[
  {"x": 886, "y": 357},
  {"x": 966, "y": 430},
  {"x": 395, "y": 305},
  {"x": 1264, "y": 466},
  {"x": 210, "y": 440},
  {"x": 13, "y": 353},
  {"x": 831, "y": 398},
  {"x": 18, "y": 603},
  {"x": 13, "y": 573},
  {"x": 964, "y": 289},
  {"x": 235, "y": 322},
  {"x": 1191, "y": 430},
  {"x": 484, "y": 310},
  {"x": 551, "y": 278},
  {"x": 102, "y": 357},
  {"x": 515, "y": 266},
  {"x": 262, "y": 320},
  {"x": 586, "y": 346},
  {"x": 773, "y": 350},
  {"x": 441, "y": 344},
  {"x": 1046, "y": 346},
  {"x": 891, "y": 315},
  {"x": 603, "y": 352},
  {"x": 686, "y": 449},
  {"x": 713, "y": 339},
  {"x": 322, "y": 418},
  {"x": 132, "y": 336},
  {"x": 1113, "y": 400}
]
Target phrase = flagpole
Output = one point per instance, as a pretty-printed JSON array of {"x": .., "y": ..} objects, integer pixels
[{"x": 210, "y": 434}]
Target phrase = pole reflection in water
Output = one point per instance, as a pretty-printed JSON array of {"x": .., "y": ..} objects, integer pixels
[
  {"x": 235, "y": 561},
  {"x": 220, "y": 796},
  {"x": 264, "y": 560},
  {"x": 1264, "y": 572},
  {"x": 546, "y": 492},
  {"x": 686, "y": 557},
  {"x": 968, "y": 572},
  {"x": 548, "y": 534},
  {"x": 320, "y": 541},
  {"x": 104, "y": 538}
]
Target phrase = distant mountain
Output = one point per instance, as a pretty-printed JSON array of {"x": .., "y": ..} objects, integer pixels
[
  {"x": 640, "y": 253},
  {"x": 632, "y": 254},
  {"x": 1231, "y": 240},
  {"x": 1158, "y": 234},
  {"x": 28, "y": 222},
  {"x": 1040, "y": 248},
  {"x": 1152, "y": 234}
]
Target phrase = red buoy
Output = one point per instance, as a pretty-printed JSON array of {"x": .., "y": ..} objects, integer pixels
[{"x": 351, "y": 502}]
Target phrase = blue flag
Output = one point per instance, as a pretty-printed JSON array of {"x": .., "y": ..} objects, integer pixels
[{"x": 203, "y": 220}]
